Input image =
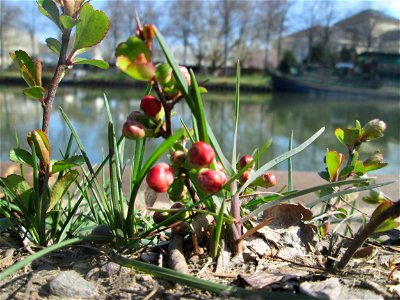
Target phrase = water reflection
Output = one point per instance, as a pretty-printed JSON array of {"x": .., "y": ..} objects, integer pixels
[{"x": 261, "y": 117}]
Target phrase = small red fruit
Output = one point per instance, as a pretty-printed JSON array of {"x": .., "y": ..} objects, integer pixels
[
  {"x": 269, "y": 179},
  {"x": 246, "y": 159},
  {"x": 178, "y": 158},
  {"x": 201, "y": 155},
  {"x": 210, "y": 181},
  {"x": 160, "y": 177},
  {"x": 151, "y": 106},
  {"x": 133, "y": 130},
  {"x": 246, "y": 175}
]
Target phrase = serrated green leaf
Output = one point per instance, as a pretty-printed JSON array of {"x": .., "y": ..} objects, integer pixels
[
  {"x": 92, "y": 27},
  {"x": 21, "y": 156},
  {"x": 54, "y": 45},
  {"x": 93, "y": 62},
  {"x": 50, "y": 10},
  {"x": 61, "y": 187},
  {"x": 68, "y": 163},
  {"x": 339, "y": 133},
  {"x": 19, "y": 187},
  {"x": 34, "y": 92},
  {"x": 68, "y": 22}
]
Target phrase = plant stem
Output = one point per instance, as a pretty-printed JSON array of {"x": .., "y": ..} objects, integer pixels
[
  {"x": 365, "y": 232},
  {"x": 47, "y": 104},
  {"x": 167, "y": 109}
]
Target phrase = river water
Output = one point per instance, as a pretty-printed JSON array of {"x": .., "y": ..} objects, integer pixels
[{"x": 262, "y": 116}]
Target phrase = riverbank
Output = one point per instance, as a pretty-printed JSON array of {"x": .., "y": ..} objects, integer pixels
[{"x": 112, "y": 78}]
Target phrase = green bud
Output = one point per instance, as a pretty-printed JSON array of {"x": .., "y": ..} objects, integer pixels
[
  {"x": 373, "y": 129},
  {"x": 163, "y": 74},
  {"x": 177, "y": 191}
]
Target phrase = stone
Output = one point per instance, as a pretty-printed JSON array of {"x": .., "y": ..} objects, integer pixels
[
  {"x": 109, "y": 269},
  {"x": 70, "y": 284}
]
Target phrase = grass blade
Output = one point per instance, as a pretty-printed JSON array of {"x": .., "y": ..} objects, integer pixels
[
  {"x": 315, "y": 189},
  {"x": 236, "y": 117},
  {"x": 290, "y": 168},
  {"x": 280, "y": 159}
]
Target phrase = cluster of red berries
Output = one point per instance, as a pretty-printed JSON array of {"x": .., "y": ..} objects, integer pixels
[
  {"x": 199, "y": 158},
  {"x": 266, "y": 180},
  {"x": 166, "y": 178},
  {"x": 147, "y": 123}
]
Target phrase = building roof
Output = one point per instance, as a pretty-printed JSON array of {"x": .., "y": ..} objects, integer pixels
[{"x": 367, "y": 15}]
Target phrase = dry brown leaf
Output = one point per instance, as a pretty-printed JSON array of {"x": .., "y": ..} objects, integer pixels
[{"x": 286, "y": 215}]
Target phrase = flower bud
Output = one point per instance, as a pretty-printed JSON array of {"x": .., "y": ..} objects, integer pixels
[
  {"x": 220, "y": 167},
  {"x": 373, "y": 129},
  {"x": 376, "y": 158},
  {"x": 152, "y": 107},
  {"x": 160, "y": 177},
  {"x": 177, "y": 191},
  {"x": 133, "y": 130},
  {"x": 210, "y": 181},
  {"x": 244, "y": 160},
  {"x": 266, "y": 180},
  {"x": 178, "y": 158},
  {"x": 201, "y": 155},
  {"x": 71, "y": 7},
  {"x": 185, "y": 74},
  {"x": 164, "y": 74}
]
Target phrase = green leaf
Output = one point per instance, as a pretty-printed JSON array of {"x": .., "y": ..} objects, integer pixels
[
  {"x": 138, "y": 70},
  {"x": 50, "y": 10},
  {"x": 61, "y": 187},
  {"x": 21, "y": 156},
  {"x": 374, "y": 166},
  {"x": 34, "y": 92},
  {"x": 333, "y": 162},
  {"x": 387, "y": 225},
  {"x": 350, "y": 136},
  {"x": 39, "y": 140},
  {"x": 93, "y": 62},
  {"x": 20, "y": 188},
  {"x": 359, "y": 168},
  {"x": 68, "y": 22},
  {"x": 25, "y": 65},
  {"x": 92, "y": 27},
  {"x": 132, "y": 48},
  {"x": 54, "y": 45},
  {"x": 339, "y": 133},
  {"x": 199, "y": 109},
  {"x": 67, "y": 164},
  {"x": 341, "y": 213}
]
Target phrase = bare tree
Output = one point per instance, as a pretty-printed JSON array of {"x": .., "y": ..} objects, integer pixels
[{"x": 8, "y": 20}]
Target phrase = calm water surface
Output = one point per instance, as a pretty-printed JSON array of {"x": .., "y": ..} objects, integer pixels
[{"x": 261, "y": 117}]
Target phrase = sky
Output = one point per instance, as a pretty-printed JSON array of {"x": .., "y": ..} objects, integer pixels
[{"x": 390, "y": 7}]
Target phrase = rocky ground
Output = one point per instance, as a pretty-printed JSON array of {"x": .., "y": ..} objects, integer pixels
[{"x": 284, "y": 256}]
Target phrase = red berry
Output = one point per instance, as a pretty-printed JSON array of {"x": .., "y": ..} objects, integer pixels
[
  {"x": 151, "y": 106},
  {"x": 269, "y": 179},
  {"x": 210, "y": 181},
  {"x": 201, "y": 155},
  {"x": 246, "y": 176},
  {"x": 160, "y": 177},
  {"x": 133, "y": 130},
  {"x": 246, "y": 159}
]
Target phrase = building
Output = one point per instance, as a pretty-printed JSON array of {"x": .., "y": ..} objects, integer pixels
[{"x": 366, "y": 31}]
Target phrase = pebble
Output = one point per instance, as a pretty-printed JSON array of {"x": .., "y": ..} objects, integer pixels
[
  {"x": 109, "y": 269},
  {"x": 70, "y": 284}
]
